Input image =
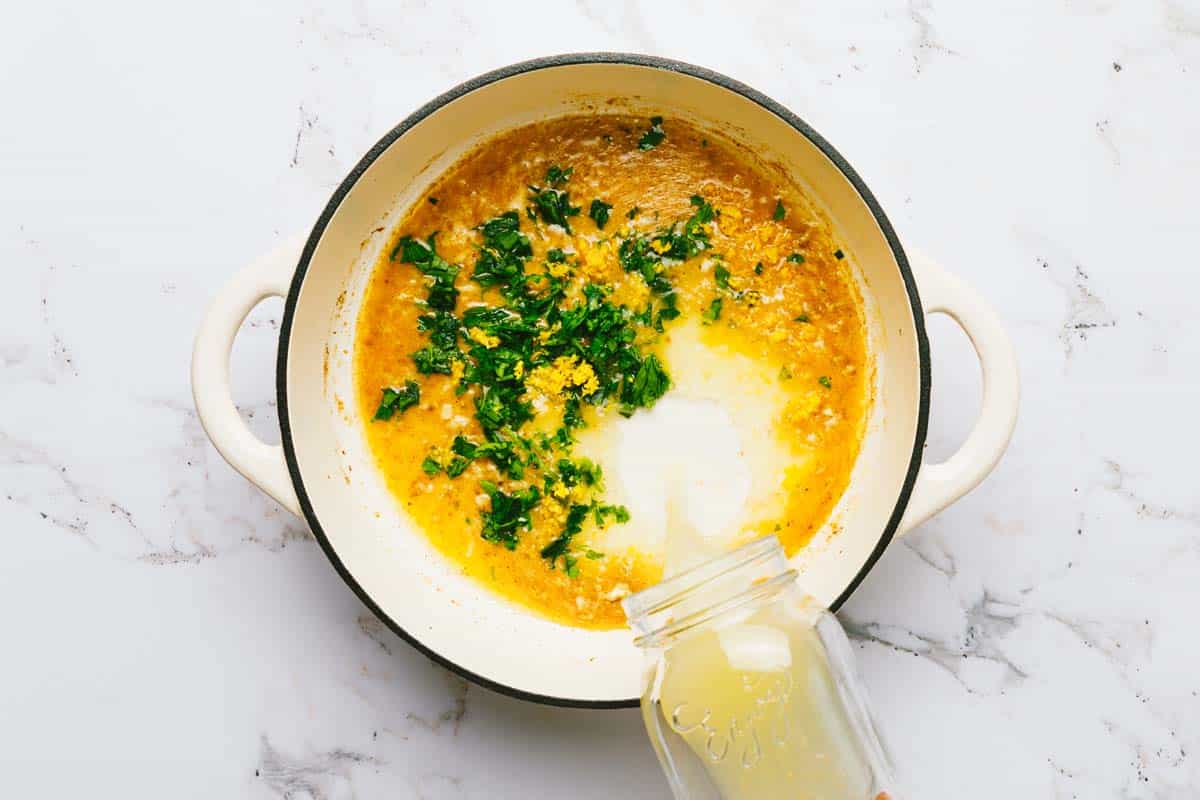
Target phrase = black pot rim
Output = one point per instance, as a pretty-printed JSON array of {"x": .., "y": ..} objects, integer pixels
[{"x": 549, "y": 62}]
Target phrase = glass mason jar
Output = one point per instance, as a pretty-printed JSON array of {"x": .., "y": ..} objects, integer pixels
[{"x": 750, "y": 690}]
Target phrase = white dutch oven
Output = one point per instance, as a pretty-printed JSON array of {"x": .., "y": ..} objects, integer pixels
[{"x": 324, "y": 472}]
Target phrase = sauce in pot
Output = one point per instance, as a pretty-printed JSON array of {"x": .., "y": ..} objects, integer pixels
[{"x": 563, "y": 298}]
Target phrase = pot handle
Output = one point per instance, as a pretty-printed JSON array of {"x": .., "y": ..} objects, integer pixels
[
  {"x": 260, "y": 463},
  {"x": 939, "y": 485}
]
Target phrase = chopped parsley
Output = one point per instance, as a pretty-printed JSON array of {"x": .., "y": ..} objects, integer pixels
[
  {"x": 438, "y": 356},
  {"x": 430, "y": 466},
  {"x": 442, "y": 295},
  {"x": 825, "y": 381},
  {"x": 802, "y": 318},
  {"x": 679, "y": 242},
  {"x": 574, "y": 524},
  {"x": 649, "y": 383},
  {"x": 582, "y": 472},
  {"x": 571, "y": 415},
  {"x": 503, "y": 242},
  {"x": 553, "y": 206},
  {"x": 704, "y": 214},
  {"x": 599, "y": 211},
  {"x": 508, "y": 515},
  {"x": 721, "y": 276},
  {"x": 780, "y": 211},
  {"x": 602, "y": 512},
  {"x": 796, "y": 258},
  {"x": 653, "y": 136},
  {"x": 502, "y": 449},
  {"x": 463, "y": 447},
  {"x": 556, "y": 176},
  {"x": 433, "y": 201},
  {"x": 398, "y": 400},
  {"x": 560, "y": 546},
  {"x": 442, "y": 327},
  {"x": 433, "y": 360},
  {"x": 637, "y": 255},
  {"x": 631, "y": 213},
  {"x": 713, "y": 312},
  {"x": 758, "y": 268},
  {"x": 505, "y": 249},
  {"x": 667, "y": 311},
  {"x": 838, "y": 254},
  {"x": 500, "y": 406}
]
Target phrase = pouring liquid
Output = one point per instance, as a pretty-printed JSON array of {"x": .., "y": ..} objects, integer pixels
[{"x": 750, "y": 708}]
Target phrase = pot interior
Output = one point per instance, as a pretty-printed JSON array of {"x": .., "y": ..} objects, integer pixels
[{"x": 380, "y": 552}]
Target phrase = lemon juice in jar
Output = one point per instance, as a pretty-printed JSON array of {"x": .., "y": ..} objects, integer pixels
[{"x": 750, "y": 688}]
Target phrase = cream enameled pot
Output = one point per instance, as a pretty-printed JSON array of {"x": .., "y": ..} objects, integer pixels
[{"x": 324, "y": 472}]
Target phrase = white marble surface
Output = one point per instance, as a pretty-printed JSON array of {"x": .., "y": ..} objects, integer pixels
[{"x": 170, "y": 632}]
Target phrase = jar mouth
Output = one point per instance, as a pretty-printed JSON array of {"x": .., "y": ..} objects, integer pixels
[
  {"x": 700, "y": 618},
  {"x": 707, "y": 590}
]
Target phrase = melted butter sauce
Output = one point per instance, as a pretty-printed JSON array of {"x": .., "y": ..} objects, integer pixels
[{"x": 795, "y": 438}]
